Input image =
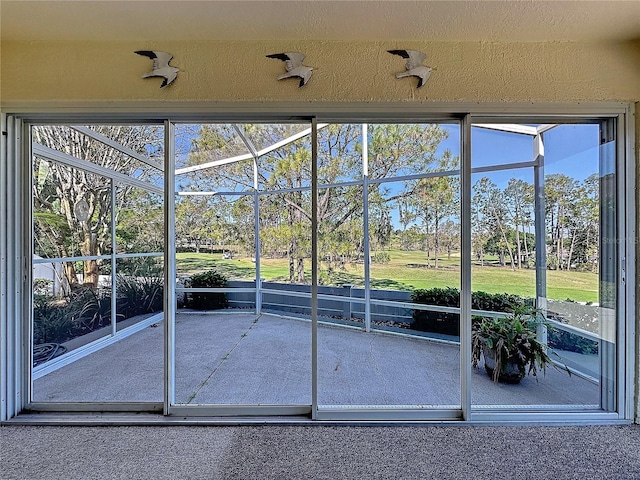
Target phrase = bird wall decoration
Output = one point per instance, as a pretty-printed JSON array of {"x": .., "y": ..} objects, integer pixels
[
  {"x": 294, "y": 66},
  {"x": 161, "y": 67},
  {"x": 415, "y": 66}
]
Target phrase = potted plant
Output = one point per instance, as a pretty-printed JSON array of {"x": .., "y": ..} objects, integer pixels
[{"x": 510, "y": 347}]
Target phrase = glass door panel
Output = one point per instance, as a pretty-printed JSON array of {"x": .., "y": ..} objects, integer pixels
[
  {"x": 389, "y": 264},
  {"x": 242, "y": 261},
  {"x": 97, "y": 285},
  {"x": 580, "y": 185},
  {"x": 540, "y": 264}
]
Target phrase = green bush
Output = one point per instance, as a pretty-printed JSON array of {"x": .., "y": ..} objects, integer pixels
[
  {"x": 437, "y": 322},
  {"x": 499, "y": 302},
  {"x": 138, "y": 295},
  {"x": 56, "y": 320},
  {"x": 207, "y": 301},
  {"x": 52, "y": 321},
  {"x": 561, "y": 340},
  {"x": 94, "y": 310},
  {"x": 449, "y": 323},
  {"x": 381, "y": 257},
  {"x": 140, "y": 289}
]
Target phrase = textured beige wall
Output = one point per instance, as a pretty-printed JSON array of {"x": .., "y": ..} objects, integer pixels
[{"x": 359, "y": 72}]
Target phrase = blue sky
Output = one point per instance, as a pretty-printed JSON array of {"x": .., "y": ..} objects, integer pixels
[
  {"x": 572, "y": 150},
  {"x": 569, "y": 149}
]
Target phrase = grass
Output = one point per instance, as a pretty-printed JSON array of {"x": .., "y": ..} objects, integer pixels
[{"x": 407, "y": 270}]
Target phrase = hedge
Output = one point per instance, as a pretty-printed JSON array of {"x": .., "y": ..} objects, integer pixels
[{"x": 449, "y": 323}]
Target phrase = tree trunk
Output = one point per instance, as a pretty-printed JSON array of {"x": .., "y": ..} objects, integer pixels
[
  {"x": 573, "y": 242},
  {"x": 70, "y": 274},
  {"x": 518, "y": 248},
  {"x": 428, "y": 252},
  {"x": 506, "y": 242},
  {"x": 526, "y": 246},
  {"x": 300, "y": 270},
  {"x": 559, "y": 245},
  {"x": 292, "y": 267},
  {"x": 90, "y": 273},
  {"x": 436, "y": 242}
]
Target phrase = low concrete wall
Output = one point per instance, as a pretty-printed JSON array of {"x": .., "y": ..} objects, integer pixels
[{"x": 338, "y": 307}]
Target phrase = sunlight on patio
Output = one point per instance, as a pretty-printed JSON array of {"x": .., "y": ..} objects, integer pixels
[{"x": 241, "y": 358}]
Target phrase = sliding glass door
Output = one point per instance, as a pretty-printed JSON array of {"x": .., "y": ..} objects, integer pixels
[
  {"x": 241, "y": 325},
  {"x": 389, "y": 270},
  {"x": 97, "y": 272},
  {"x": 544, "y": 246},
  {"x": 338, "y": 270}
]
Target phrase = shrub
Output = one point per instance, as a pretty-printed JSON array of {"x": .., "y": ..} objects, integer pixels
[
  {"x": 207, "y": 301},
  {"x": 499, "y": 302},
  {"x": 94, "y": 310},
  {"x": 381, "y": 257},
  {"x": 52, "y": 322},
  {"x": 449, "y": 323},
  {"x": 446, "y": 297},
  {"x": 138, "y": 295},
  {"x": 437, "y": 322},
  {"x": 561, "y": 340},
  {"x": 140, "y": 291},
  {"x": 56, "y": 320}
]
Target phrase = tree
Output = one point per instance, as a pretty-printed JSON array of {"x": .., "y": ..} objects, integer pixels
[
  {"x": 285, "y": 215},
  {"x": 589, "y": 215},
  {"x": 574, "y": 209},
  {"x": 435, "y": 199},
  {"x": 192, "y": 221},
  {"x": 59, "y": 191},
  {"x": 450, "y": 234},
  {"x": 479, "y": 227},
  {"x": 560, "y": 193},
  {"x": 518, "y": 196},
  {"x": 494, "y": 214},
  {"x": 380, "y": 224},
  {"x": 140, "y": 225}
]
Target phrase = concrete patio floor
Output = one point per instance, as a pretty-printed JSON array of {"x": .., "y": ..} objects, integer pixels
[{"x": 245, "y": 359}]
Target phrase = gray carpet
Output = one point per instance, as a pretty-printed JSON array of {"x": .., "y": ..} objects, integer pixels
[{"x": 323, "y": 452}]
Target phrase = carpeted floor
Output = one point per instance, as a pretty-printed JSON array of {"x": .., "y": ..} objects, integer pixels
[{"x": 322, "y": 452}]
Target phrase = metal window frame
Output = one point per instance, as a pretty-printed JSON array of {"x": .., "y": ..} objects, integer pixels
[
  {"x": 73, "y": 162},
  {"x": 14, "y": 352},
  {"x": 12, "y": 402}
]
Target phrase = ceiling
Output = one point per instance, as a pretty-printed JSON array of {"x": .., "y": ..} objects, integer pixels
[{"x": 364, "y": 20}]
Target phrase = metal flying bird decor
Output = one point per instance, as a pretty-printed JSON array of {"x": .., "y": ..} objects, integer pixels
[
  {"x": 161, "y": 67},
  {"x": 414, "y": 65},
  {"x": 294, "y": 66}
]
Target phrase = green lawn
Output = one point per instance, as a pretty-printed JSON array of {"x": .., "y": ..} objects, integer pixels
[{"x": 407, "y": 271}]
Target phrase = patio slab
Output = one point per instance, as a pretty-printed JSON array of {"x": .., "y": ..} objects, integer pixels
[{"x": 241, "y": 358}]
